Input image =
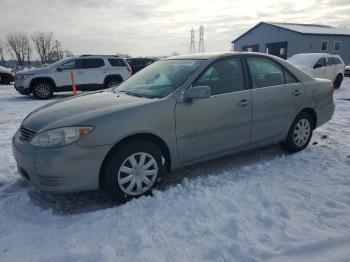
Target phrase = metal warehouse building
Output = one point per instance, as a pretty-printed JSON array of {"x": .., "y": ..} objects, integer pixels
[{"x": 285, "y": 40}]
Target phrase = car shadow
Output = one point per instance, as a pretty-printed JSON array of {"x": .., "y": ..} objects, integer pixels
[{"x": 90, "y": 201}]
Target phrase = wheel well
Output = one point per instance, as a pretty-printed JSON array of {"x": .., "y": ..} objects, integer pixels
[
  {"x": 36, "y": 80},
  {"x": 313, "y": 115},
  {"x": 144, "y": 137},
  {"x": 117, "y": 77}
]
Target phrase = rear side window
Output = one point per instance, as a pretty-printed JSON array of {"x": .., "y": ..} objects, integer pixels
[
  {"x": 92, "y": 63},
  {"x": 223, "y": 77},
  {"x": 330, "y": 61},
  {"x": 265, "y": 73},
  {"x": 116, "y": 62}
]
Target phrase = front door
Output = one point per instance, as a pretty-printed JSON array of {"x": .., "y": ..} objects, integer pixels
[
  {"x": 63, "y": 75},
  {"x": 220, "y": 123},
  {"x": 276, "y": 95}
]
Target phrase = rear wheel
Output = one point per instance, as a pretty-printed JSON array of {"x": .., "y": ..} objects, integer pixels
[
  {"x": 132, "y": 171},
  {"x": 112, "y": 82},
  {"x": 42, "y": 90},
  {"x": 337, "y": 82},
  {"x": 299, "y": 134}
]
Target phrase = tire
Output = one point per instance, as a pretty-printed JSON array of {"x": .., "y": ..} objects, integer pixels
[
  {"x": 299, "y": 134},
  {"x": 112, "y": 82},
  {"x": 124, "y": 180},
  {"x": 42, "y": 90},
  {"x": 337, "y": 82}
]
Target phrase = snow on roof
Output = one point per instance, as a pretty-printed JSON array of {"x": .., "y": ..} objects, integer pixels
[{"x": 312, "y": 28}]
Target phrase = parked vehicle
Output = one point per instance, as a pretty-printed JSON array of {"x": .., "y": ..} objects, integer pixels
[
  {"x": 139, "y": 63},
  {"x": 347, "y": 70},
  {"x": 91, "y": 72},
  {"x": 174, "y": 113},
  {"x": 321, "y": 65},
  {"x": 6, "y": 75}
]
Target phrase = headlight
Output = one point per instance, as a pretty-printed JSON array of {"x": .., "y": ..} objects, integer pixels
[
  {"x": 23, "y": 76},
  {"x": 60, "y": 136}
]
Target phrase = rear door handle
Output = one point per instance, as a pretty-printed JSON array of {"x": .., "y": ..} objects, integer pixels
[
  {"x": 296, "y": 92},
  {"x": 243, "y": 103}
]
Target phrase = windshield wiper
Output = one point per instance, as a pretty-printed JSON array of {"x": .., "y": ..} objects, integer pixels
[{"x": 130, "y": 93}]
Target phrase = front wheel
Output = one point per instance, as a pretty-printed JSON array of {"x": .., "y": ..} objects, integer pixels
[
  {"x": 42, "y": 90},
  {"x": 133, "y": 170},
  {"x": 299, "y": 134}
]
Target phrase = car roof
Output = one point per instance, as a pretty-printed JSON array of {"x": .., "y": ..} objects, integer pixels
[
  {"x": 316, "y": 55},
  {"x": 206, "y": 56}
]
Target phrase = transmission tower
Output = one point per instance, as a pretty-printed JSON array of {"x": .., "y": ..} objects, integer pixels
[
  {"x": 201, "y": 47},
  {"x": 192, "y": 46}
]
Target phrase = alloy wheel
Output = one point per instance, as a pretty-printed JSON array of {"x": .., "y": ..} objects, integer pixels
[{"x": 42, "y": 90}]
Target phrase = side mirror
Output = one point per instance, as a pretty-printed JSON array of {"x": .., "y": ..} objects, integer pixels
[
  {"x": 59, "y": 69},
  {"x": 197, "y": 92},
  {"x": 317, "y": 66}
]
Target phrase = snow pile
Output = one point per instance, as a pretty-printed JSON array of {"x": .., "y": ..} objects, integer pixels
[{"x": 261, "y": 205}]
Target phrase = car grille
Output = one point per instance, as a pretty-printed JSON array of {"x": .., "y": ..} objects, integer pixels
[
  {"x": 26, "y": 135},
  {"x": 51, "y": 180}
]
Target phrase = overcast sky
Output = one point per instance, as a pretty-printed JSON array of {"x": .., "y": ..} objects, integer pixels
[{"x": 158, "y": 27}]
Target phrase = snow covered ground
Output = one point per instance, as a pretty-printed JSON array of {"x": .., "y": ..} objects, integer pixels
[{"x": 261, "y": 205}]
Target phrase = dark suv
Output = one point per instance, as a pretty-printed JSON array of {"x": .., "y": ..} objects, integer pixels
[{"x": 137, "y": 64}]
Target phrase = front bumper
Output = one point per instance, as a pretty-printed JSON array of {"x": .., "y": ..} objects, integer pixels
[
  {"x": 60, "y": 170},
  {"x": 22, "y": 86}
]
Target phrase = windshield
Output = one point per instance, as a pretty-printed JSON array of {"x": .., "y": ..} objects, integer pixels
[
  {"x": 57, "y": 63},
  {"x": 159, "y": 79},
  {"x": 303, "y": 60}
]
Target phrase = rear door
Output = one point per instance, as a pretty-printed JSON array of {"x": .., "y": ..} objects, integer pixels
[
  {"x": 277, "y": 95},
  {"x": 220, "y": 123},
  {"x": 94, "y": 72},
  {"x": 331, "y": 69}
]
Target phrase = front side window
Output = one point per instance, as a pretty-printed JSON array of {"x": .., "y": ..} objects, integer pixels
[
  {"x": 160, "y": 78},
  {"x": 324, "y": 45},
  {"x": 68, "y": 65},
  {"x": 337, "y": 45},
  {"x": 92, "y": 63},
  {"x": 320, "y": 63},
  {"x": 265, "y": 72},
  {"x": 223, "y": 77}
]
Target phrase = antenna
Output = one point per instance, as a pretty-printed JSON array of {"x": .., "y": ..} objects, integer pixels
[
  {"x": 192, "y": 46},
  {"x": 201, "y": 47}
]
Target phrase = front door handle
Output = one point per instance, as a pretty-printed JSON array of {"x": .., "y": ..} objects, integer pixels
[
  {"x": 296, "y": 92},
  {"x": 243, "y": 103}
]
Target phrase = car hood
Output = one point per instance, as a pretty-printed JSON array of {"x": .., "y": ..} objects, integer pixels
[
  {"x": 80, "y": 110},
  {"x": 32, "y": 71},
  {"x": 5, "y": 70}
]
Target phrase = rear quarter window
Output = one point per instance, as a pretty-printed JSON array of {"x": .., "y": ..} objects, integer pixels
[{"x": 116, "y": 62}]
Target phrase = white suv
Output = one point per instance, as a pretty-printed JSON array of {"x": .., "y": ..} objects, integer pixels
[
  {"x": 91, "y": 72},
  {"x": 321, "y": 65}
]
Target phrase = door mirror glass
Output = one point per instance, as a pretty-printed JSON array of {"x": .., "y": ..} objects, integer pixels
[{"x": 197, "y": 92}]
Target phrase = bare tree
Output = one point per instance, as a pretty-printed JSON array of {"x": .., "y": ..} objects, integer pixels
[
  {"x": 45, "y": 45},
  {"x": 19, "y": 46},
  {"x": 2, "y": 53}
]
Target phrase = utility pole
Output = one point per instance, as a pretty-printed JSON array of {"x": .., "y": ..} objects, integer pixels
[
  {"x": 192, "y": 46},
  {"x": 201, "y": 47}
]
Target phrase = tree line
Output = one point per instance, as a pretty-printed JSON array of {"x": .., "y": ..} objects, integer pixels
[{"x": 20, "y": 46}]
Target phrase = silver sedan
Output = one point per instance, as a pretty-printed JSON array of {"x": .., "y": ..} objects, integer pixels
[{"x": 174, "y": 113}]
